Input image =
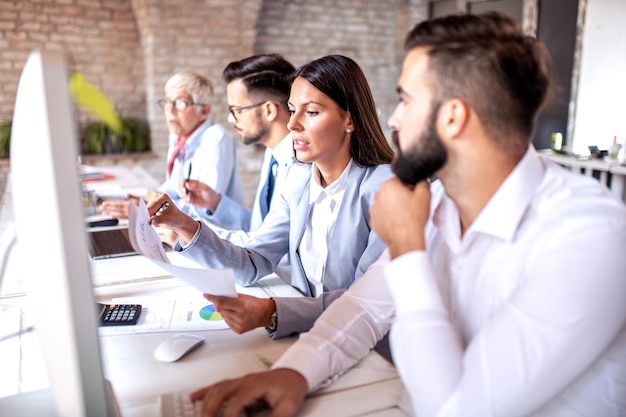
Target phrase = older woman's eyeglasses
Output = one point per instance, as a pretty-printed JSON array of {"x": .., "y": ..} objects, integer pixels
[
  {"x": 237, "y": 110},
  {"x": 179, "y": 104}
]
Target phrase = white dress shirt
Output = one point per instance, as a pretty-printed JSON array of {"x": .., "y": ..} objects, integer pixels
[
  {"x": 524, "y": 315},
  {"x": 320, "y": 225},
  {"x": 232, "y": 220}
]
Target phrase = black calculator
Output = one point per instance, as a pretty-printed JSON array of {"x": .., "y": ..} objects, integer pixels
[{"x": 118, "y": 314}]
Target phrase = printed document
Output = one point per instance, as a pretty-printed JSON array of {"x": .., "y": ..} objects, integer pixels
[
  {"x": 145, "y": 240},
  {"x": 166, "y": 314}
]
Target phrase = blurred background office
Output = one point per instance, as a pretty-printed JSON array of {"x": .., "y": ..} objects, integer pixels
[{"x": 128, "y": 49}]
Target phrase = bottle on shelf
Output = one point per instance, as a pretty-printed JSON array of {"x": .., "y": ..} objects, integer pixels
[{"x": 615, "y": 148}]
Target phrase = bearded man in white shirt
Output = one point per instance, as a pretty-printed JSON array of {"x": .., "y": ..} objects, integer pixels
[{"x": 504, "y": 277}]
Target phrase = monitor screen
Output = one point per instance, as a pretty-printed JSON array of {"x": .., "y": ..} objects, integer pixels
[{"x": 49, "y": 223}]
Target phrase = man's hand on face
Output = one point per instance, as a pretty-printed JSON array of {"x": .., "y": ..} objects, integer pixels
[{"x": 399, "y": 215}]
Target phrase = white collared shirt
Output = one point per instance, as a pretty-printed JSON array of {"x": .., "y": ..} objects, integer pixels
[
  {"x": 524, "y": 315},
  {"x": 320, "y": 225},
  {"x": 283, "y": 154},
  {"x": 212, "y": 149}
]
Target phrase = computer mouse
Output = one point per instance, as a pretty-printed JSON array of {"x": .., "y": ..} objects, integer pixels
[{"x": 177, "y": 346}]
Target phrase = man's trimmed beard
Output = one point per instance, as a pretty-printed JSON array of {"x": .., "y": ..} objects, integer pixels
[
  {"x": 426, "y": 155},
  {"x": 260, "y": 133}
]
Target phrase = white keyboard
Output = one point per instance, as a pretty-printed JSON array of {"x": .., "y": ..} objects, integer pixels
[{"x": 178, "y": 405}]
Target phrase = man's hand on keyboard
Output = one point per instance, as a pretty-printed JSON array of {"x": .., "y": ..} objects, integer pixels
[{"x": 283, "y": 390}]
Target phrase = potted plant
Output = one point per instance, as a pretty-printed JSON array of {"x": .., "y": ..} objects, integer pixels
[
  {"x": 99, "y": 138},
  {"x": 5, "y": 137}
]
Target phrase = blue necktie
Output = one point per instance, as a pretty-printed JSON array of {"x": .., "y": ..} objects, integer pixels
[{"x": 268, "y": 189}]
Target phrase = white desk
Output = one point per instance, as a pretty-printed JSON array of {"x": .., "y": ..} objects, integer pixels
[
  {"x": 133, "y": 180},
  {"x": 371, "y": 388},
  {"x": 125, "y": 179},
  {"x": 610, "y": 172}
]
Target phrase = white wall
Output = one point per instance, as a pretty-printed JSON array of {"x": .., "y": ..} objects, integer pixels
[{"x": 601, "y": 101}]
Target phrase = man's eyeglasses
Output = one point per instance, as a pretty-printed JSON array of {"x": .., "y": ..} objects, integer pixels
[
  {"x": 237, "y": 110},
  {"x": 179, "y": 104}
]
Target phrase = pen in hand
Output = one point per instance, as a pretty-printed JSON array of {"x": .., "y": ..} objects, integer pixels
[
  {"x": 162, "y": 208},
  {"x": 188, "y": 178}
]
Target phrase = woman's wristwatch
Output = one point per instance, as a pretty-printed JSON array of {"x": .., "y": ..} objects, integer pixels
[
  {"x": 273, "y": 318},
  {"x": 273, "y": 321}
]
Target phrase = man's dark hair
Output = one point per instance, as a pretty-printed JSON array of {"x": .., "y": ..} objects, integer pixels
[
  {"x": 487, "y": 61},
  {"x": 266, "y": 76}
]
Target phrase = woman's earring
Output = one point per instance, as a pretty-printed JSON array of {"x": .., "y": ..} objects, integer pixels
[{"x": 348, "y": 130}]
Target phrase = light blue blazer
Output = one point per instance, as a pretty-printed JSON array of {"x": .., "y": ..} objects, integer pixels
[{"x": 352, "y": 248}]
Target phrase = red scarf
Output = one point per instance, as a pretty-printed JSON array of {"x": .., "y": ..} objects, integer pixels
[{"x": 180, "y": 146}]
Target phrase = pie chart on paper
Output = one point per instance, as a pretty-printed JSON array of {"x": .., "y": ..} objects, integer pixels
[{"x": 208, "y": 313}]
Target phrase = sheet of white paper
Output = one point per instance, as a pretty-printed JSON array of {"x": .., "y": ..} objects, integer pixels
[
  {"x": 274, "y": 286},
  {"x": 211, "y": 281},
  {"x": 163, "y": 314},
  {"x": 145, "y": 240},
  {"x": 143, "y": 237}
]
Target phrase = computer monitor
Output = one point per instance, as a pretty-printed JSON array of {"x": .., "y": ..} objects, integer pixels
[{"x": 50, "y": 229}]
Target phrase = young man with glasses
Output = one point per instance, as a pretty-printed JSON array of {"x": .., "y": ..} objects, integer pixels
[
  {"x": 199, "y": 149},
  {"x": 257, "y": 88}
]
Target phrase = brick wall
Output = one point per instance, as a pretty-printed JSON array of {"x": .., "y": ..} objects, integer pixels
[
  {"x": 99, "y": 38},
  {"x": 202, "y": 36},
  {"x": 130, "y": 48},
  {"x": 361, "y": 29}
]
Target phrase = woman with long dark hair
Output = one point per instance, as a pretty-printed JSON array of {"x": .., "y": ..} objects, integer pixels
[{"x": 321, "y": 217}]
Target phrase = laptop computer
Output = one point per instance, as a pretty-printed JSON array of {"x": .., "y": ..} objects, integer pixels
[{"x": 109, "y": 242}]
